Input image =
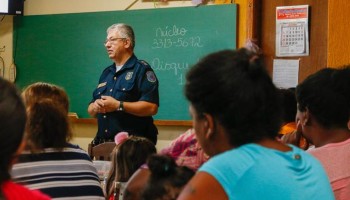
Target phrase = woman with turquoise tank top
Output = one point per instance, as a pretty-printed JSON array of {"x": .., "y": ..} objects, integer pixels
[{"x": 236, "y": 112}]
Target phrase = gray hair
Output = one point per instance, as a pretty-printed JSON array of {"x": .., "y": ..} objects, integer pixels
[{"x": 124, "y": 31}]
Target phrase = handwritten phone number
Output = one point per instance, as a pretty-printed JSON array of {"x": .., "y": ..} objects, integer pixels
[{"x": 177, "y": 42}]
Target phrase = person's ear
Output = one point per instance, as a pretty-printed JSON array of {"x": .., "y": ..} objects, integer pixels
[
  {"x": 306, "y": 117},
  {"x": 127, "y": 43},
  {"x": 209, "y": 125}
]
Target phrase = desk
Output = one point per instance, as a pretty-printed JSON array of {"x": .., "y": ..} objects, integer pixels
[{"x": 102, "y": 168}]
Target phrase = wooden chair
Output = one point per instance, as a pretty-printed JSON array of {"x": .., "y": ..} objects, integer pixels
[{"x": 101, "y": 151}]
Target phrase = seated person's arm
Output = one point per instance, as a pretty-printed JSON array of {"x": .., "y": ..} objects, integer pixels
[
  {"x": 136, "y": 184},
  {"x": 203, "y": 186}
]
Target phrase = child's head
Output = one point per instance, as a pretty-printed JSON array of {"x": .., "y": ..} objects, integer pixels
[
  {"x": 166, "y": 180},
  {"x": 131, "y": 154},
  {"x": 127, "y": 157}
]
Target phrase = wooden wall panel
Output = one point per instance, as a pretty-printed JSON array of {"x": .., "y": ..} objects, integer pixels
[
  {"x": 338, "y": 33},
  {"x": 242, "y": 26},
  {"x": 318, "y": 26}
]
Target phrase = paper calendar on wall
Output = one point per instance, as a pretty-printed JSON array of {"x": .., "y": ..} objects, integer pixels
[{"x": 292, "y": 35}]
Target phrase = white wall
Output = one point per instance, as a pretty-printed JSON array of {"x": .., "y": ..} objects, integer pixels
[
  {"x": 6, "y": 42},
  {"x": 39, "y": 7}
]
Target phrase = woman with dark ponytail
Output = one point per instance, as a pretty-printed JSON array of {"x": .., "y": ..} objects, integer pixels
[
  {"x": 236, "y": 114},
  {"x": 12, "y": 123}
]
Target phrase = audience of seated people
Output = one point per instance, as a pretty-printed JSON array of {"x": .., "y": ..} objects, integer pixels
[
  {"x": 323, "y": 116},
  {"x": 12, "y": 125},
  {"x": 50, "y": 163},
  {"x": 128, "y": 155},
  {"x": 236, "y": 113},
  {"x": 166, "y": 180},
  {"x": 238, "y": 133}
]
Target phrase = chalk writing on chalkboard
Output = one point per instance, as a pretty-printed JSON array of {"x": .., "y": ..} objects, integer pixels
[
  {"x": 166, "y": 37},
  {"x": 176, "y": 68},
  {"x": 174, "y": 36}
]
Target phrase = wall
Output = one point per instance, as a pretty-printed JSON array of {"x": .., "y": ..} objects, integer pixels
[
  {"x": 6, "y": 42},
  {"x": 84, "y": 132},
  {"x": 328, "y": 34},
  {"x": 338, "y": 33}
]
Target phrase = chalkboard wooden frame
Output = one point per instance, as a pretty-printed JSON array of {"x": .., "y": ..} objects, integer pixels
[
  {"x": 67, "y": 49},
  {"x": 156, "y": 122}
]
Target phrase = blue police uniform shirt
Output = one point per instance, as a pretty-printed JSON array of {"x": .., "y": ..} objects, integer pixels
[{"x": 135, "y": 81}]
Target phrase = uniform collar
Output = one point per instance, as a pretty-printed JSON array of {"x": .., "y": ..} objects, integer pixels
[{"x": 129, "y": 64}]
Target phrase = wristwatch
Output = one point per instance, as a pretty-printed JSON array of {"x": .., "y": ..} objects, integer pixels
[{"x": 121, "y": 106}]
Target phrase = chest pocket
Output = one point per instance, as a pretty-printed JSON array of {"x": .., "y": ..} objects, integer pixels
[
  {"x": 126, "y": 87},
  {"x": 99, "y": 91}
]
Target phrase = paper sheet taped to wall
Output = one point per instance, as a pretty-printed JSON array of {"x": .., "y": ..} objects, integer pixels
[{"x": 285, "y": 73}]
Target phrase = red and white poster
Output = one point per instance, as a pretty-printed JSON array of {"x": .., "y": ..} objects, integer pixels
[{"x": 292, "y": 34}]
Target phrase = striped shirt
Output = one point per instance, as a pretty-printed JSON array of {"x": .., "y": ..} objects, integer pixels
[{"x": 66, "y": 174}]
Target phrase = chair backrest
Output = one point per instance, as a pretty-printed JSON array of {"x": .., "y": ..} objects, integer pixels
[
  {"x": 101, "y": 151},
  {"x": 119, "y": 187}
]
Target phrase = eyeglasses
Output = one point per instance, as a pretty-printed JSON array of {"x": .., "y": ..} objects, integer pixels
[{"x": 112, "y": 40}]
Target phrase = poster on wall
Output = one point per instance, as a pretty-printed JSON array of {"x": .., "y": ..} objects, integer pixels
[
  {"x": 285, "y": 73},
  {"x": 292, "y": 34}
]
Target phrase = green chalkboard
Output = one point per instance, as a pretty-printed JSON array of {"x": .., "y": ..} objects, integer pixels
[{"x": 68, "y": 50}]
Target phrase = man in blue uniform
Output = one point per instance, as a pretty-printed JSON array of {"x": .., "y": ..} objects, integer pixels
[{"x": 127, "y": 95}]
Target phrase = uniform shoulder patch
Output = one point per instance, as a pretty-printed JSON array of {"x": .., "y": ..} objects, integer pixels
[
  {"x": 151, "y": 77},
  {"x": 144, "y": 62}
]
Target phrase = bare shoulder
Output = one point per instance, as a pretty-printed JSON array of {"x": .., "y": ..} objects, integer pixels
[
  {"x": 136, "y": 184},
  {"x": 203, "y": 186}
]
